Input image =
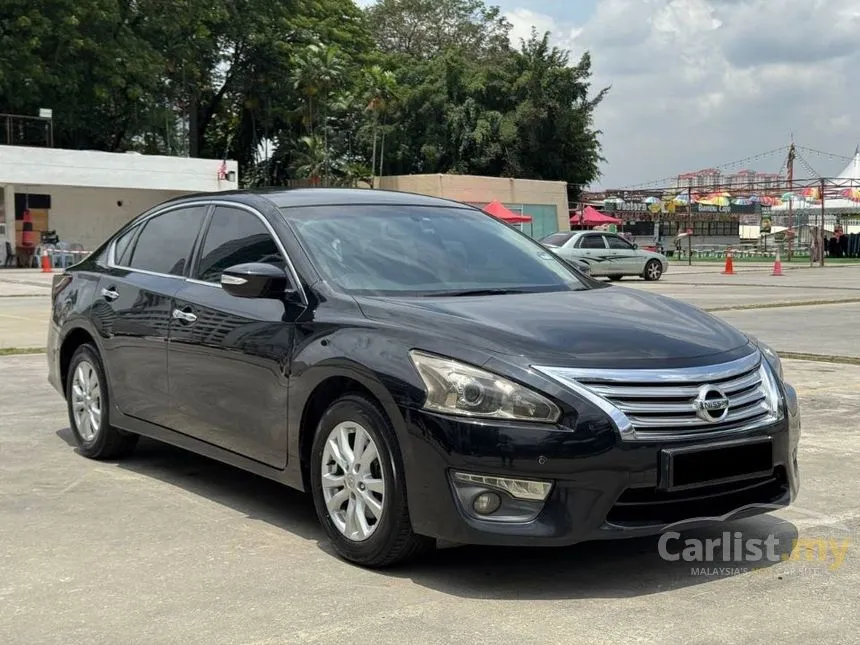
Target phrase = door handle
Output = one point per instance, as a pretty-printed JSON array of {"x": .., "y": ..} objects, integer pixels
[
  {"x": 185, "y": 316},
  {"x": 110, "y": 294}
]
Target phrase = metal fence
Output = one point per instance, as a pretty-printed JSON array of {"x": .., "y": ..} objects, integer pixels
[{"x": 18, "y": 130}]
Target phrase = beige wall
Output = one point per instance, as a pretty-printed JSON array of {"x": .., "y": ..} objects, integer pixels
[
  {"x": 90, "y": 215},
  {"x": 470, "y": 188}
]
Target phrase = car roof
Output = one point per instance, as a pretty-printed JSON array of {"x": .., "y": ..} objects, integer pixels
[{"x": 287, "y": 198}]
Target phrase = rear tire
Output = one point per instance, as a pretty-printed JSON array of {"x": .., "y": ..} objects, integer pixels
[
  {"x": 89, "y": 404},
  {"x": 653, "y": 270},
  {"x": 358, "y": 486}
]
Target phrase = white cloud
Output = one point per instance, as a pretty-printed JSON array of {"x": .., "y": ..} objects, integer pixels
[
  {"x": 697, "y": 83},
  {"x": 523, "y": 20}
]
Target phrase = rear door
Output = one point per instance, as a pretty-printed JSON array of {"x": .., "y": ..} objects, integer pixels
[
  {"x": 623, "y": 258},
  {"x": 592, "y": 248},
  {"x": 146, "y": 266},
  {"x": 229, "y": 357}
]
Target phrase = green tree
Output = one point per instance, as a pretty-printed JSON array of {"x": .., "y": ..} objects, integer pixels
[
  {"x": 326, "y": 89},
  {"x": 495, "y": 111},
  {"x": 311, "y": 159},
  {"x": 550, "y": 134},
  {"x": 429, "y": 28},
  {"x": 86, "y": 60},
  {"x": 380, "y": 88}
]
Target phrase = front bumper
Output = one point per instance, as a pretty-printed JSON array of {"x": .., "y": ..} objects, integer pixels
[{"x": 603, "y": 487}]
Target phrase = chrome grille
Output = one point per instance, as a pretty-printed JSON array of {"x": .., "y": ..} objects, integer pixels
[{"x": 668, "y": 402}]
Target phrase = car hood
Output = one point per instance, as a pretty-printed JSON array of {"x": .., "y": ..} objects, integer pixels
[{"x": 605, "y": 327}]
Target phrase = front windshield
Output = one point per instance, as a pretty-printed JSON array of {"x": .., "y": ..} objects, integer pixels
[{"x": 424, "y": 251}]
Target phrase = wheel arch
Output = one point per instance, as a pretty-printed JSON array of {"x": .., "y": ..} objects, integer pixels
[
  {"x": 324, "y": 388},
  {"x": 72, "y": 340}
]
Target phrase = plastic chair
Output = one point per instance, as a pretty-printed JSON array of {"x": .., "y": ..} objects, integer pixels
[
  {"x": 78, "y": 252},
  {"x": 63, "y": 257}
]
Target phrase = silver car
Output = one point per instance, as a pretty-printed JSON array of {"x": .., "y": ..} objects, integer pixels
[{"x": 607, "y": 254}]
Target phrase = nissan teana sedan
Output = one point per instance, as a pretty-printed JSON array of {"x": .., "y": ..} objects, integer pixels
[
  {"x": 607, "y": 254},
  {"x": 424, "y": 370}
]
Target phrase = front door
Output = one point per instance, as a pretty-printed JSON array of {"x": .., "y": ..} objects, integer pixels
[
  {"x": 623, "y": 256},
  {"x": 133, "y": 308},
  {"x": 229, "y": 357}
]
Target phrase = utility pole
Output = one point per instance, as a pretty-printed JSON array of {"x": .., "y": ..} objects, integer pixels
[
  {"x": 790, "y": 166},
  {"x": 821, "y": 230},
  {"x": 690, "y": 226}
]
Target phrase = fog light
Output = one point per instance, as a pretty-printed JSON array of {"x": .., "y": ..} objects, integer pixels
[{"x": 487, "y": 503}]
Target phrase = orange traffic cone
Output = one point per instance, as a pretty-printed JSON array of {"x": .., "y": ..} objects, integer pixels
[
  {"x": 46, "y": 261},
  {"x": 777, "y": 265},
  {"x": 730, "y": 267}
]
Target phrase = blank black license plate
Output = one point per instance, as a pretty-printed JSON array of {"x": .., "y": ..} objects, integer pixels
[{"x": 716, "y": 463}]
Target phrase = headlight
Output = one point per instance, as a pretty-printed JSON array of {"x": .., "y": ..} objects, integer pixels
[
  {"x": 457, "y": 388},
  {"x": 771, "y": 357}
]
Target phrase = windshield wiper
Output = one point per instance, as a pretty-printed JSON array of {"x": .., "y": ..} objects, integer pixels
[{"x": 476, "y": 292}]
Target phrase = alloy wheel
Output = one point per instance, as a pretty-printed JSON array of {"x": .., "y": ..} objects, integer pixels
[
  {"x": 353, "y": 482},
  {"x": 654, "y": 270},
  {"x": 86, "y": 400}
]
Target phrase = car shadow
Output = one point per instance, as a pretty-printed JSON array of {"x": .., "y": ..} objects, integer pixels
[
  {"x": 256, "y": 497},
  {"x": 601, "y": 569}
]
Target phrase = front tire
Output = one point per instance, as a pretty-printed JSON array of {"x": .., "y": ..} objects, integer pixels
[
  {"x": 653, "y": 270},
  {"x": 358, "y": 485},
  {"x": 88, "y": 402}
]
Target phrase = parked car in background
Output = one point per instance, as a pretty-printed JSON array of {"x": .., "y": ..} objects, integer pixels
[
  {"x": 607, "y": 254},
  {"x": 579, "y": 265},
  {"x": 424, "y": 370}
]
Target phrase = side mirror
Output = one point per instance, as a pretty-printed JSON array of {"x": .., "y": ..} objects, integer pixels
[
  {"x": 635, "y": 246},
  {"x": 256, "y": 280}
]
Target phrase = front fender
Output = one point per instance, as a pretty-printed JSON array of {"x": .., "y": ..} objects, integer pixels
[{"x": 372, "y": 359}]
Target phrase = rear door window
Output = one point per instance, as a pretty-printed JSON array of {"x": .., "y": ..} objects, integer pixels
[
  {"x": 166, "y": 241},
  {"x": 592, "y": 242},
  {"x": 122, "y": 248}
]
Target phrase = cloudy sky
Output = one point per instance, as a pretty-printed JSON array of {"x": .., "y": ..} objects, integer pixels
[{"x": 698, "y": 83}]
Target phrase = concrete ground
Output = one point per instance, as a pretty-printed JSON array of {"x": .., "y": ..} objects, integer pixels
[
  {"x": 25, "y": 306},
  {"x": 24, "y": 321},
  {"x": 167, "y": 547}
]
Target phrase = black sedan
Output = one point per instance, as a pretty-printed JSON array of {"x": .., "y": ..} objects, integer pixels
[{"x": 424, "y": 370}]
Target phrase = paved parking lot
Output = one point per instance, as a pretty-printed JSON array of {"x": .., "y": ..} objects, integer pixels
[{"x": 168, "y": 547}]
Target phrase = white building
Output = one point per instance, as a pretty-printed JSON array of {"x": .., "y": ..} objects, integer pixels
[{"x": 85, "y": 196}]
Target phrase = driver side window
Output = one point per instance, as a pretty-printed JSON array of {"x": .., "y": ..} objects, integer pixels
[
  {"x": 616, "y": 242},
  {"x": 234, "y": 237}
]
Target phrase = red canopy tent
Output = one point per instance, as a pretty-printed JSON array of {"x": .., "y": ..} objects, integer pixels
[
  {"x": 496, "y": 209},
  {"x": 592, "y": 217}
]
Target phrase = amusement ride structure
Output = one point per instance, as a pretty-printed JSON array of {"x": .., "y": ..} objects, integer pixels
[{"x": 796, "y": 208}]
